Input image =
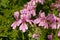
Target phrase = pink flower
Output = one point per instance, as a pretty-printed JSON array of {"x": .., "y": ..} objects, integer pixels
[
  {"x": 23, "y": 21},
  {"x": 29, "y": 8},
  {"x": 59, "y": 33},
  {"x": 52, "y": 20},
  {"x": 41, "y": 20},
  {"x": 49, "y": 37},
  {"x": 28, "y": 11}
]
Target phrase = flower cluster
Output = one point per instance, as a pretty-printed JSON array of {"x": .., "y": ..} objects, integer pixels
[
  {"x": 56, "y": 5},
  {"x": 25, "y": 15},
  {"x": 49, "y": 21}
]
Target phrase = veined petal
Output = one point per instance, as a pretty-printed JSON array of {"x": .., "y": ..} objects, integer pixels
[
  {"x": 23, "y": 27},
  {"x": 14, "y": 25},
  {"x": 53, "y": 25},
  {"x": 42, "y": 14},
  {"x": 41, "y": 24},
  {"x": 33, "y": 12},
  {"x": 36, "y": 21},
  {"x": 30, "y": 21},
  {"x": 46, "y": 25},
  {"x": 19, "y": 22}
]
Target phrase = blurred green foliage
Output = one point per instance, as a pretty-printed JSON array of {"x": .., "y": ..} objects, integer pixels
[{"x": 7, "y": 9}]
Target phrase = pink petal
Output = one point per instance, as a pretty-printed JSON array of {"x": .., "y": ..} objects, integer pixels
[
  {"x": 23, "y": 27},
  {"x": 33, "y": 12},
  {"x": 42, "y": 14},
  {"x": 30, "y": 21},
  {"x": 46, "y": 25},
  {"x": 19, "y": 22},
  {"x": 14, "y": 25},
  {"x": 59, "y": 33},
  {"x": 41, "y": 24},
  {"x": 53, "y": 25},
  {"x": 16, "y": 14},
  {"x": 36, "y": 21}
]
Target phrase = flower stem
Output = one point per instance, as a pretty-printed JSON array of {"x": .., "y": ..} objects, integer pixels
[{"x": 22, "y": 36}]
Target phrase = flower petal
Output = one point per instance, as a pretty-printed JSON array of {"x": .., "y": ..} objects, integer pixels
[
  {"x": 41, "y": 24},
  {"x": 53, "y": 25},
  {"x": 19, "y": 22},
  {"x": 16, "y": 14},
  {"x": 14, "y": 25},
  {"x": 36, "y": 21},
  {"x": 59, "y": 33},
  {"x": 23, "y": 27}
]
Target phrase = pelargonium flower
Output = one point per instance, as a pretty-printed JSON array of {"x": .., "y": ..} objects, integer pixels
[
  {"x": 41, "y": 20},
  {"x": 29, "y": 9},
  {"x": 23, "y": 21},
  {"x": 49, "y": 37},
  {"x": 16, "y": 23},
  {"x": 52, "y": 20}
]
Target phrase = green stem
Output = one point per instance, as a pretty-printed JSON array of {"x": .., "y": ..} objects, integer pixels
[{"x": 22, "y": 36}]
